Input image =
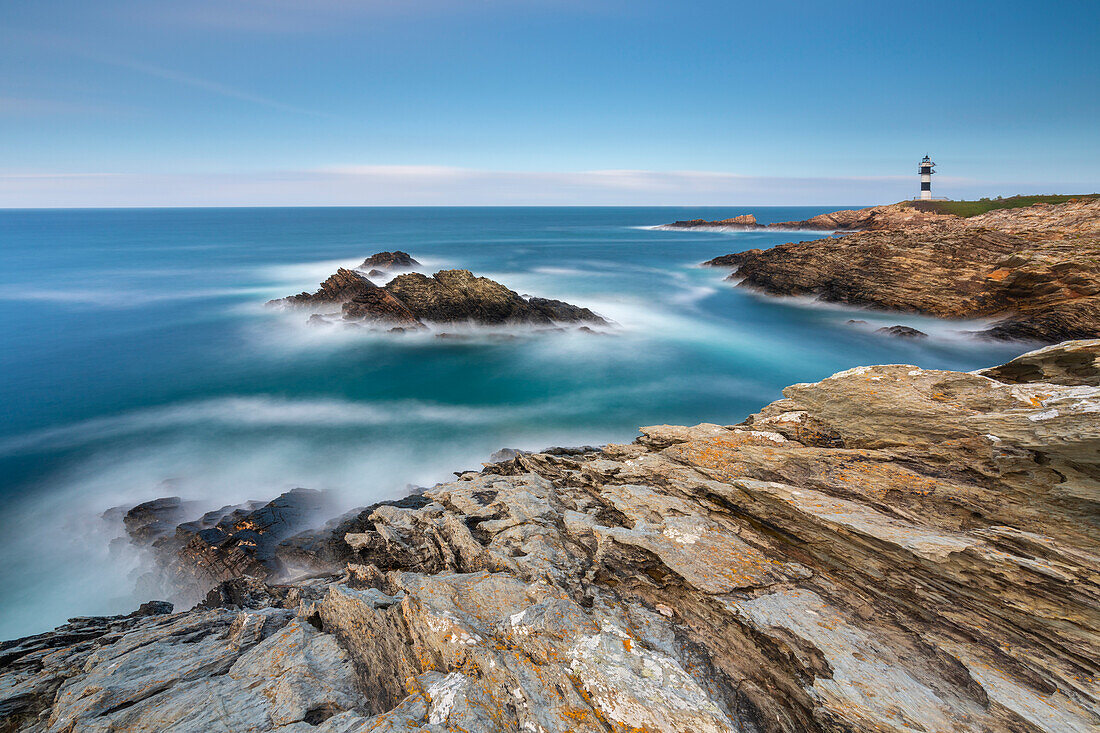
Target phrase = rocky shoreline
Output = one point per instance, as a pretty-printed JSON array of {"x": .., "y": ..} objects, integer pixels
[
  {"x": 1034, "y": 271},
  {"x": 876, "y": 217},
  {"x": 890, "y": 549}
]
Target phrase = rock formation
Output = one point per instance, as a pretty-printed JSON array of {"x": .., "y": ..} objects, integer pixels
[
  {"x": 389, "y": 261},
  {"x": 905, "y": 332},
  {"x": 745, "y": 221},
  {"x": 890, "y": 549},
  {"x": 413, "y": 300},
  {"x": 194, "y": 556},
  {"x": 893, "y": 216},
  {"x": 1035, "y": 269}
]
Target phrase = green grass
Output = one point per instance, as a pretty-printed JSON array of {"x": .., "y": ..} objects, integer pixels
[{"x": 973, "y": 208}]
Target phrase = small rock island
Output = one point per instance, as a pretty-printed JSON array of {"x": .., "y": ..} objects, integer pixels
[{"x": 414, "y": 301}]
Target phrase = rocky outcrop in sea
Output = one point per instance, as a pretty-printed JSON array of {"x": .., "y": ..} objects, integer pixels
[
  {"x": 413, "y": 301},
  {"x": 888, "y": 549},
  {"x": 1035, "y": 271},
  {"x": 892, "y": 216}
]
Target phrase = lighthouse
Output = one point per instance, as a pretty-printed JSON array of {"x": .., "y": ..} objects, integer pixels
[{"x": 926, "y": 172}]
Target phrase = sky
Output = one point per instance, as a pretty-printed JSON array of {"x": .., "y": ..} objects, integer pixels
[{"x": 530, "y": 102}]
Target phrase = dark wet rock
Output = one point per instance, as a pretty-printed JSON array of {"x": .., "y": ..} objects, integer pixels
[
  {"x": 856, "y": 322},
  {"x": 389, "y": 261},
  {"x": 373, "y": 274},
  {"x": 227, "y": 543},
  {"x": 148, "y": 522},
  {"x": 904, "y": 332}
]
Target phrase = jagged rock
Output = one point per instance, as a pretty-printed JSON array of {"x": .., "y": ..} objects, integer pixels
[
  {"x": 376, "y": 274},
  {"x": 323, "y": 549},
  {"x": 231, "y": 542},
  {"x": 506, "y": 454},
  {"x": 338, "y": 288},
  {"x": 905, "y": 332},
  {"x": 378, "y": 304},
  {"x": 453, "y": 296},
  {"x": 891, "y": 549},
  {"x": 148, "y": 522},
  {"x": 1038, "y": 269},
  {"x": 1070, "y": 362},
  {"x": 411, "y": 300},
  {"x": 389, "y": 261},
  {"x": 731, "y": 260}
]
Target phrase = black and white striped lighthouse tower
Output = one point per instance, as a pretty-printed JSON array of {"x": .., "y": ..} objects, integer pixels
[{"x": 926, "y": 172}]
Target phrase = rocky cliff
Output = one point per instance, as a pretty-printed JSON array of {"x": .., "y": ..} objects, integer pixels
[
  {"x": 889, "y": 549},
  {"x": 413, "y": 300},
  {"x": 1035, "y": 270}
]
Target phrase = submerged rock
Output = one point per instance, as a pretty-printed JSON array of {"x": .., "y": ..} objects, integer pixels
[
  {"x": 413, "y": 300},
  {"x": 389, "y": 261},
  {"x": 1036, "y": 268},
  {"x": 905, "y": 332}
]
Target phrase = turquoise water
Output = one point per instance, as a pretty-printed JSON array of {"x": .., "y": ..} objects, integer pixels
[{"x": 138, "y": 361}]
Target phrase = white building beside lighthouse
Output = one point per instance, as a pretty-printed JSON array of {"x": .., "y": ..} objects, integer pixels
[{"x": 926, "y": 171}]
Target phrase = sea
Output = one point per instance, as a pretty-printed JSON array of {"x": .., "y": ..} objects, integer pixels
[{"x": 138, "y": 360}]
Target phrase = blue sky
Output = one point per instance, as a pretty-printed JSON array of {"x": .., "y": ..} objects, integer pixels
[{"x": 242, "y": 102}]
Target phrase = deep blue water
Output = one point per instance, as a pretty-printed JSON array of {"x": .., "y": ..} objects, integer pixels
[{"x": 136, "y": 351}]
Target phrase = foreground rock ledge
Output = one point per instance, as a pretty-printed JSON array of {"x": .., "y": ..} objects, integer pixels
[{"x": 889, "y": 549}]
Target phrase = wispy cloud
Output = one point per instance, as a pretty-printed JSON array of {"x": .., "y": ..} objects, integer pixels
[
  {"x": 78, "y": 48},
  {"x": 398, "y": 185},
  {"x": 206, "y": 85}
]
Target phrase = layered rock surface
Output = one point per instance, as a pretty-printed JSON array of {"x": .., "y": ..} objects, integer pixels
[
  {"x": 1036, "y": 270},
  {"x": 413, "y": 300},
  {"x": 396, "y": 260},
  {"x": 192, "y": 557},
  {"x": 889, "y": 549}
]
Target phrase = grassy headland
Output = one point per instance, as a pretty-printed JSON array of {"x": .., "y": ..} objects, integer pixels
[{"x": 981, "y": 206}]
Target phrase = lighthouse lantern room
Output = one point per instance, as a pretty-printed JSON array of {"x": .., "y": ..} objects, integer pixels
[{"x": 926, "y": 171}]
